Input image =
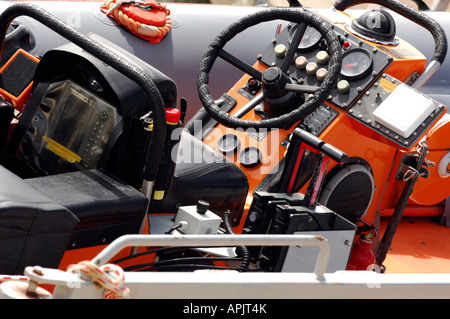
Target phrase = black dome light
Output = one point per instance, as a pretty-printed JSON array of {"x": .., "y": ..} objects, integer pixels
[{"x": 376, "y": 26}]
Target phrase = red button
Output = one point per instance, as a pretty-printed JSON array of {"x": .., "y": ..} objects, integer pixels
[{"x": 172, "y": 115}]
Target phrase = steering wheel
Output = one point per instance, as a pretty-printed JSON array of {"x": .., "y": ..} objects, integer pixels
[{"x": 275, "y": 80}]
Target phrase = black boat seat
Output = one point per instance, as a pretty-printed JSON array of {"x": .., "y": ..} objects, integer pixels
[
  {"x": 34, "y": 229},
  {"x": 71, "y": 169},
  {"x": 41, "y": 218},
  {"x": 105, "y": 206}
]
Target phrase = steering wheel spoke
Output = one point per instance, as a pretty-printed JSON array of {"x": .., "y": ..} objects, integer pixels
[
  {"x": 251, "y": 104},
  {"x": 241, "y": 65},
  {"x": 299, "y": 88},
  {"x": 293, "y": 47}
]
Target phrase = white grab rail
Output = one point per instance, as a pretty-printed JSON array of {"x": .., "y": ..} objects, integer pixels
[{"x": 219, "y": 241}]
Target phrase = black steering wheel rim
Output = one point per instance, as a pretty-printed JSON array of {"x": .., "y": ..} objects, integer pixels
[{"x": 286, "y": 120}]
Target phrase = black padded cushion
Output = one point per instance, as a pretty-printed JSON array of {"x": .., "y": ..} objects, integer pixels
[
  {"x": 105, "y": 206},
  {"x": 34, "y": 229}
]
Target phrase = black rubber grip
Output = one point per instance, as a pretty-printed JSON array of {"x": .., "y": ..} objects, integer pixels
[
  {"x": 320, "y": 145},
  {"x": 438, "y": 33},
  {"x": 334, "y": 153}
]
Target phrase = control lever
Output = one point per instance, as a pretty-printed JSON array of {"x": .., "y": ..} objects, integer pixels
[
  {"x": 300, "y": 141},
  {"x": 316, "y": 143},
  {"x": 166, "y": 170},
  {"x": 157, "y": 190}
]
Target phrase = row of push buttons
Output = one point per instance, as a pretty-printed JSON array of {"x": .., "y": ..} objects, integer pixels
[{"x": 312, "y": 68}]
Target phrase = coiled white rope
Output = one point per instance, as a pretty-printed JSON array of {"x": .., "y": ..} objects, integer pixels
[
  {"x": 111, "y": 277},
  {"x": 113, "y": 8}
]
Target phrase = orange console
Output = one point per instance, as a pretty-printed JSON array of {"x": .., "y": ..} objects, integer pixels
[{"x": 371, "y": 115}]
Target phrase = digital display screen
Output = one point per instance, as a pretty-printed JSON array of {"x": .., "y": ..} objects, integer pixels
[{"x": 70, "y": 129}]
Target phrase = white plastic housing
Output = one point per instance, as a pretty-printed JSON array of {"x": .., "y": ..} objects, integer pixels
[
  {"x": 194, "y": 223},
  {"x": 404, "y": 110}
]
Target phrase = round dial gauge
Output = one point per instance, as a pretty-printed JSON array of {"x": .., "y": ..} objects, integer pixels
[
  {"x": 310, "y": 38},
  {"x": 250, "y": 157},
  {"x": 228, "y": 144},
  {"x": 356, "y": 63}
]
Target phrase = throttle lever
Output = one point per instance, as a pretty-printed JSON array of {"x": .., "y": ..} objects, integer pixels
[
  {"x": 318, "y": 144},
  {"x": 300, "y": 141}
]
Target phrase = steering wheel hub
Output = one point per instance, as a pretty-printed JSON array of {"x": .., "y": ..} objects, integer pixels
[
  {"x": 278, "y": 101},
  {"x": 274, "y": 81},
  {"x": 272, "y": 75}
]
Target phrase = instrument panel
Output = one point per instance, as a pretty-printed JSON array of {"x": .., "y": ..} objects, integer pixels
[
  {"x": 361, "y": 64},
  {"x": 396, "y": 111}
]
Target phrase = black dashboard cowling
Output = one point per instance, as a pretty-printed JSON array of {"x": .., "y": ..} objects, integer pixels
[
  {"x": 123, "y": 153},
  {"x": 71, "y": 61}
]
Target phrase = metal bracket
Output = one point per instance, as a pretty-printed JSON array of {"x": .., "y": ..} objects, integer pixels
[{"x": 407, "y": 168}]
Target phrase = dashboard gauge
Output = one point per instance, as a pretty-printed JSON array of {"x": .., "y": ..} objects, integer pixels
[
  {"x": 250, "y": 157},
  {"x": 228, "y": 144},
  {"x": 356, "y": 64},
  {"x": 310, "y": 38}
]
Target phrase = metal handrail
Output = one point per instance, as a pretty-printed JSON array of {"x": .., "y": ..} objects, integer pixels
[{"x": 219, "y": 241}]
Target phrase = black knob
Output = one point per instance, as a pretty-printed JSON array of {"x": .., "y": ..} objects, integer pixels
[{"x": 202, "y": 206}]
